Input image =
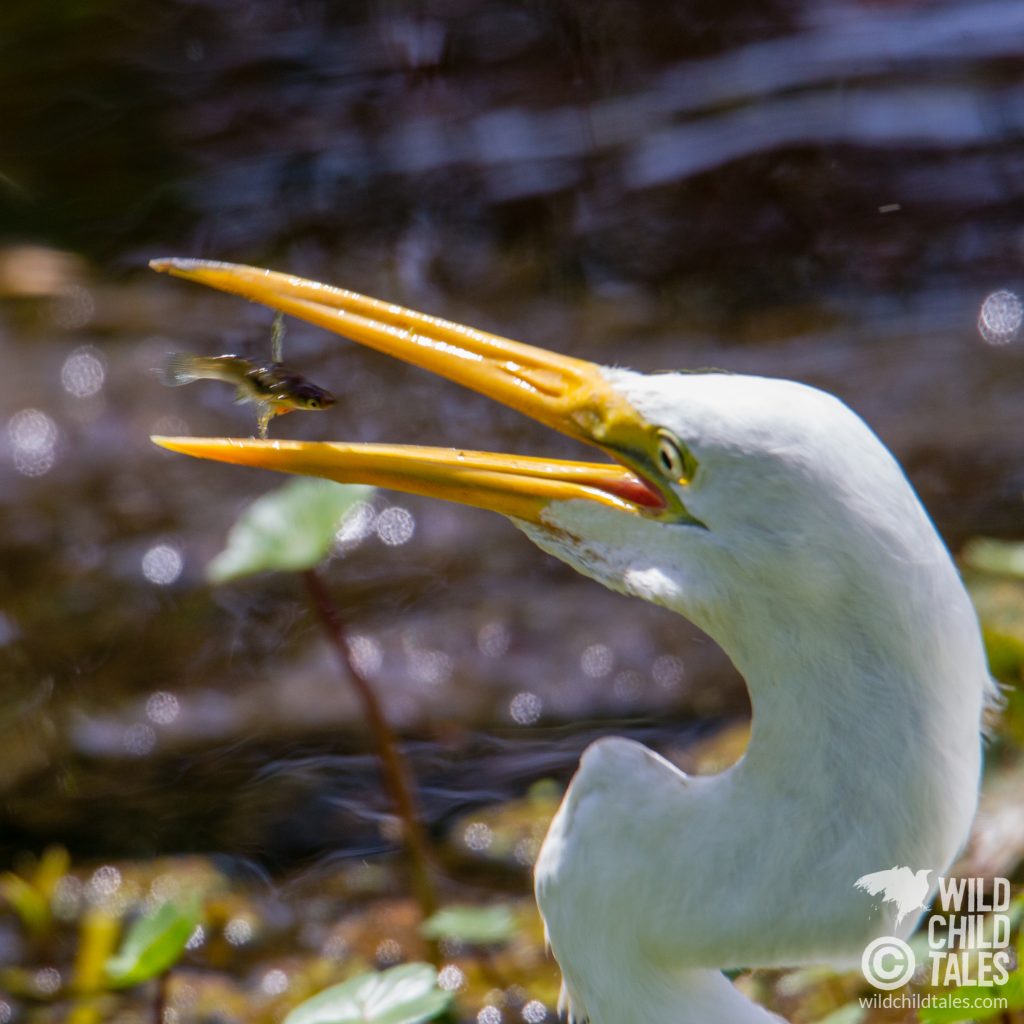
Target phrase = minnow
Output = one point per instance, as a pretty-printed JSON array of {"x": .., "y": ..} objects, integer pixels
[{"x": 273, "y": 387}]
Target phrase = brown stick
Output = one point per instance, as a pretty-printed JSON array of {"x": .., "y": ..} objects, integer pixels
[
  {"x": 395, "y": 768},
  {"x": 160, "y": 1002}
]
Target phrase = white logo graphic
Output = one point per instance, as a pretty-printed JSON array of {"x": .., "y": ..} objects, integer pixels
[
  {"x": 968, "y": 935},
  {"x": 906, "y": 888},
  {"x": 888, "y": 963}
]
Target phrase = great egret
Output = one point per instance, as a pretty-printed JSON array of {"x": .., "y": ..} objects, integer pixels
[{"x": 769, "y": 514}]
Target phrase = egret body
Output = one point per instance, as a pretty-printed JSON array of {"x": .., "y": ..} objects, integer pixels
[{"x": 767, "y": 513}]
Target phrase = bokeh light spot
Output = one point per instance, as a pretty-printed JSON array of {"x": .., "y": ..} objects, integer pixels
[
  {"x": 489, "y": 1015},
  {"x": 162, "y": 708},
  {"x": 162, "y": 564},
  {"x": 1000, "y": 318},
  {"x": 430, "y": 668},
  {"x": 395, "y": 526},
  {"x": 366, "y": 654},
  {"x": 667, "y": 671},
  {"x": 492, "y": 639},
  {"x": 83, "y": 372},
  {"x": 139, "y": 739},
  {"x": 104, "y": 883},
  {"x": 627, "y": 685},
  {"x": 388, "y": 952},
  {"x": 275, "y": 982},
  {"x": 67, "y": 898},
  {"x": 597, "y": 661},
  {"x": 478, "y": 836},
  {"x": 525, "y": 708},
  {"x": 357, "y": 524},
  {"x": 525, "y": 851},
  {"x": 238, "y": 931},
  {"x": 451, "y": 978},
  {"x": 33, "y": 436},
  {"x": 47, "y": 980},
  {"x": 74, "y": 307}
]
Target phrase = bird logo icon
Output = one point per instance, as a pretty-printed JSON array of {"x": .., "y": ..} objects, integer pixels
[{"x": 907, "y": 889}]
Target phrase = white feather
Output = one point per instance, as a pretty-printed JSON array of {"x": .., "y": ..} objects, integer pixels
[{"x": 821, "y": 576}]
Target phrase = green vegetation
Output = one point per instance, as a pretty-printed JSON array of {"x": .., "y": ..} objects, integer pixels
[
  {"x": 475, "y": 926},
  {"x": 290, "y": 529},
  {"x": 402, "y": 995},
  {"x": 153, "y": 944}
]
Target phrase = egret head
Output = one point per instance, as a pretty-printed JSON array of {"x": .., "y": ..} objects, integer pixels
[{"x": 778, "y": 498}]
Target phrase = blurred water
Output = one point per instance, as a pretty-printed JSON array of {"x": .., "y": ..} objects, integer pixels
[{"x": 828, "y": 191}]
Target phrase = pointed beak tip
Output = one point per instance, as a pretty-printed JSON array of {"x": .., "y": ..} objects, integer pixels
[
  {"x": 199, "y": 447},
  {"x": 176, "y": 265},
  {"x": 171, "y": 444}
]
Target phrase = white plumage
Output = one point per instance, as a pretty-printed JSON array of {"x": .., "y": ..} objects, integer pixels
[{"x": 821, "y": 576}]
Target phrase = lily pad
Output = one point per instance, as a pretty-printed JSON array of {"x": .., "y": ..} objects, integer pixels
[
  {"x": 478, "y": 926},
  {"x": 291, "y": 528},
  {"x": 153, "y": 944},
  {"x": 407, "y": 994}
]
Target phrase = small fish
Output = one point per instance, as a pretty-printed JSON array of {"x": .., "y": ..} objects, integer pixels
[{"x": 274, "y": 388}]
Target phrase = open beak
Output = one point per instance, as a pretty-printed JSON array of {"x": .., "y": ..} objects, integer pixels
[{"x": 570, "y": 395}]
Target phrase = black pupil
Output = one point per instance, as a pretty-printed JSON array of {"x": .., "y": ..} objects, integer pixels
[{"x": 666, "y": 457}]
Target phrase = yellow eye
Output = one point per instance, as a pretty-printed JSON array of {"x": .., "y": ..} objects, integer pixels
[{"x": 674, "y": 460}]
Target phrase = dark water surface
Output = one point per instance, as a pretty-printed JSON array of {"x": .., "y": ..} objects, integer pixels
[{"x": 832, "y": 192}]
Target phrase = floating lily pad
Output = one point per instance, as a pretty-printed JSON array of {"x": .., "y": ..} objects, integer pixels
[
  {"x": 407, "y": 994},
  {"x": 289, "y": 529}
]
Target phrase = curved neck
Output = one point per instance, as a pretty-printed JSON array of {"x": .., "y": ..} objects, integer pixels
[{"x": 865, "y": 752}]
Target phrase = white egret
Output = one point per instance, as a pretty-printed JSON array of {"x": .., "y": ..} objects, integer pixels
[{"x": 770, "y": 515}]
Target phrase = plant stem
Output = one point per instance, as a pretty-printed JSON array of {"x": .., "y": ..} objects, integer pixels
[
  {"x": 395, "y": 768},
  {"x": 160, "y": 1002}
]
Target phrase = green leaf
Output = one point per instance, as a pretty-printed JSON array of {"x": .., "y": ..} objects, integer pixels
[
  {"x": 30, "y": 896},
  {"x": 25, "y": 900},
  {"x": 478, "y": 926},
  {"x": 153, "y": 944},
  {"x": 1002, "y": 557},
  {"x": 975, "y": 1002},
  {"x": 402, "y": 995},
  {"x": 851, "y": 1013},
  {"x": 290, "y": 528}
]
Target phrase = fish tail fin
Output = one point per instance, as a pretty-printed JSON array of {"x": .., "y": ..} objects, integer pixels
[{"x": 179, "y": 369}]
